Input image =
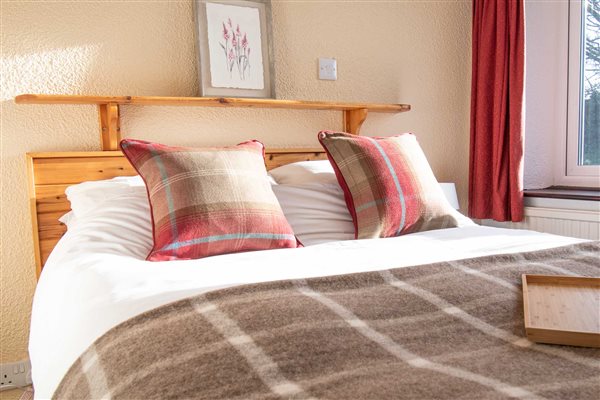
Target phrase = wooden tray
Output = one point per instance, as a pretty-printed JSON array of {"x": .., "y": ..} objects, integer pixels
[{"x": 562, "y": 309}]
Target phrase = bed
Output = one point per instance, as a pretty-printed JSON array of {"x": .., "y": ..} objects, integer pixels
[{"x": 434, "y": 314}]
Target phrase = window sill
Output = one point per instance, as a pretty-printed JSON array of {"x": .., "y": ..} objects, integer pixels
[{"x": 567, "y": 193}]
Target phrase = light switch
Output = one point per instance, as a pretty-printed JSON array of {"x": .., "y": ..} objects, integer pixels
[{"x": 328, "y": 69}]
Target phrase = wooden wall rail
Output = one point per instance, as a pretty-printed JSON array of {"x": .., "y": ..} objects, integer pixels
[{"x": 109, "y": 116}]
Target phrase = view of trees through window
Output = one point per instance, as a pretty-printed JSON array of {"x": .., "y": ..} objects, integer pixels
[{"x": 591, "y": 84}]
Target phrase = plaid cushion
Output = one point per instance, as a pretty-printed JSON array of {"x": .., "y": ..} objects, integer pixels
[
  {"x": 208, "y": 201},
  {"x": 388, "y": 184}
]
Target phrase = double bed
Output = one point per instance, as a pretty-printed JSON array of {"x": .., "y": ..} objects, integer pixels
[
  {"x": 91, "y": 284},
  {"x": 433, "y": 314}
]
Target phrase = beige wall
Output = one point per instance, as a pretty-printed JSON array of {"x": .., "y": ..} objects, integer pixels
[{"x": 415, "y": 52}]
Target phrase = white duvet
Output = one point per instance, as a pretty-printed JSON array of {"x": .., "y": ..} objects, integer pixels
[{"x": 96, "y": 277}]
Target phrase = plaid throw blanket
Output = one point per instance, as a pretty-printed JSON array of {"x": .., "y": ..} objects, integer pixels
[{"x": 445, "y": 330}]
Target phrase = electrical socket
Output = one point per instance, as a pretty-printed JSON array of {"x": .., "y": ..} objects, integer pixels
[{"x": 15, "y": 375}]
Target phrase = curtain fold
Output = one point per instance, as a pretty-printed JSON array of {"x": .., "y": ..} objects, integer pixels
[{"x": 497, "y": 91}]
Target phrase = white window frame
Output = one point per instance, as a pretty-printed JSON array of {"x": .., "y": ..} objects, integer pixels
[{"x": 568, "y": 171}]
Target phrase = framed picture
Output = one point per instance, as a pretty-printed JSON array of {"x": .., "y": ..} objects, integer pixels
[{"x": 235, "y": 48}]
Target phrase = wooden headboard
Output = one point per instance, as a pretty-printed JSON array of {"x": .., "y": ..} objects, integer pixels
[{"x": 51, "y": 173}]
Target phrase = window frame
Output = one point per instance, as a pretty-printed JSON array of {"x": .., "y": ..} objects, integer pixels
[{"x": 568, "y": 171}]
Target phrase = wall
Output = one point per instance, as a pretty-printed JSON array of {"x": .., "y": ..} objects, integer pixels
[{"x": 414, "y": 52}]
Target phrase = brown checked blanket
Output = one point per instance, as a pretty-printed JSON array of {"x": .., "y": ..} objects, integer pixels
[{"x": 450, "y": 330}]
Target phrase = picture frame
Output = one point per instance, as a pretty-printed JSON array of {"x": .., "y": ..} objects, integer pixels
[{"x": 235, "y": 48}]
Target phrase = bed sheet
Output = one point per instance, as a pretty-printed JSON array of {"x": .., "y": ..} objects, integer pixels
[{"x": 96, "y": 278}]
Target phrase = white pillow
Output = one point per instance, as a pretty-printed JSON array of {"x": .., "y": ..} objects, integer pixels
[
  {"x": 307, "y": 175},
  {"x": 317, "y": 212},
  {"x": 120, "y": 225},
  {"x": 88, "y": 196},
  {"x": 308, "y": 192},
  {"x": 304, "y": 172}
]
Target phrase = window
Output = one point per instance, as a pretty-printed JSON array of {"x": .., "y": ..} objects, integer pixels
[{"x": 581, "y": 166}]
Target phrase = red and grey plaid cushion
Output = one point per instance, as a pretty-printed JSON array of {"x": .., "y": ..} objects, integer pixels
[
  {"x": 209, "y": 201},
  {"x": 388, "y": 184}
]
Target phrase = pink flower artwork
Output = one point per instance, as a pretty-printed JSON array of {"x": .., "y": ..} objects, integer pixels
[
  {"x": 236, "y": 49},
  {"x": 225, "y": 32}
]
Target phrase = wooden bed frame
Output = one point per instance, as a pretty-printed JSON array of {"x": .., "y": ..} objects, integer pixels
[{"x": 51, "y": 173}]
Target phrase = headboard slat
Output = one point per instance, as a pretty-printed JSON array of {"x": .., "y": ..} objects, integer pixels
[
  {"x": 50, "y": 198},
  {"x": 56, "y": 171}
]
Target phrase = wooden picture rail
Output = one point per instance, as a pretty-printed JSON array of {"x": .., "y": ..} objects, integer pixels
[{"x": 110, "y": 123}]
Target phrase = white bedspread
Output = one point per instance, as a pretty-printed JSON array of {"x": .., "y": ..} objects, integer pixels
[{"x": 93, "y": 281}]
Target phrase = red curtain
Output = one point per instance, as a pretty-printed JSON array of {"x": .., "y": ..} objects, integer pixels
[{"x": 496, "y": 153}]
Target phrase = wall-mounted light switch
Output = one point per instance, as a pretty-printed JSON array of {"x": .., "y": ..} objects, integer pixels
[{"x": 328, "y": 69}]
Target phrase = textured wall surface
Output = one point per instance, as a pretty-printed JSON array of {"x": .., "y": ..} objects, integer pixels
[{"x": 413, "y": 52}]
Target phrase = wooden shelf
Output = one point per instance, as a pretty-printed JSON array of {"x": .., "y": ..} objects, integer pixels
[
  {"x": 209, "y": 102},
  {"x": 354, "y": 113}
]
